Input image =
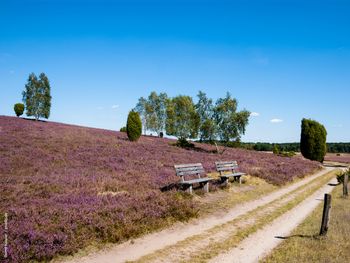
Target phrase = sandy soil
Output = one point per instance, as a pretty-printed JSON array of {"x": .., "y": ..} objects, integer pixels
[
  {"x": 132, "y": 250},
  {"x": 262, "y": 242}
]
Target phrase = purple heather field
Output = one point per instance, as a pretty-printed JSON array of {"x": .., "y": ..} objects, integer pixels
[
  {"x": 54, "y": 179},
  {"x": 341, "y": 158}
]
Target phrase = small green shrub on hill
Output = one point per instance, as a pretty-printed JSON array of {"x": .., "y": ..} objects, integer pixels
[
  {"x": 19, "y": 109},
  {"x": 123, "y": 129},
  {"x": 182, "y": 142},
  {"x": 133, "y": 126}
]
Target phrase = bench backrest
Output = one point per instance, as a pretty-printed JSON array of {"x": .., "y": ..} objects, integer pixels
[
  {"x": 192, "y": 169},
  {"x": 226, "y": 166}
]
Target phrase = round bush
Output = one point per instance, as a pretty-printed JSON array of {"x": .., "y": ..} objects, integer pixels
[
  {"x": 133, "y": 126},
  {"x": 18, "y": 108},
  {"x": 123, "y": 129}
]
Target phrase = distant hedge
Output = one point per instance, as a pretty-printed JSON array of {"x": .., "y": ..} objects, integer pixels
[
  {"x": 332, "y": 147},
  {"x": 133, "y": 126},
  {"x": 313, "y": 140}
]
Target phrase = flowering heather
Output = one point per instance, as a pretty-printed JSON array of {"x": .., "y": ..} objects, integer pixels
[
  {"x": 55, "y": 180},
  {"x": 340, "y": 158}
]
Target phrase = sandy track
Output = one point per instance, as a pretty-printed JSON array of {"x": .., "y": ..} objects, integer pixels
[
  {"x": 262, "y": 242},
  {"x": 150, "y": 243}
]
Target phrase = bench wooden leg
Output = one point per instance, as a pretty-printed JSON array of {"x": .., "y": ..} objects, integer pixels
[
  {"x": 237, "y": 178},
  {"x": 206, "y": 187},
  {"x": 224, "y": 181},
  {"x": 189, "y": 189}
]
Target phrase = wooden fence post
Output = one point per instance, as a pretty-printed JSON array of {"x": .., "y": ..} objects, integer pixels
[
  {"x": 345, "y": 184},
  {"x": 325, "y": 216}
]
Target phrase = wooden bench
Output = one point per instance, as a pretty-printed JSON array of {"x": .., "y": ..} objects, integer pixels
[
  {"x": 192, "y": 170},
  {"x": 230, "y": 167}
]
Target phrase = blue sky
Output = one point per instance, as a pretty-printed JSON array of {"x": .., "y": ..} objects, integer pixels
[{"x": 284, "y": 60}]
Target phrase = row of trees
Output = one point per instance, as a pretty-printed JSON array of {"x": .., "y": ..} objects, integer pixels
[
  {"x": 181, "y": 117},
  {"x": 332, "y": 147}
]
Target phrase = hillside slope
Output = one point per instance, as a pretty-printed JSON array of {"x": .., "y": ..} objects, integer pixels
[{"x": 55, "y": 180}]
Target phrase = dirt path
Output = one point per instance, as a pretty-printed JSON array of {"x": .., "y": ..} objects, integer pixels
[
  {"x": 264, "y": 240},
  {"x": 148, "y": 244}
]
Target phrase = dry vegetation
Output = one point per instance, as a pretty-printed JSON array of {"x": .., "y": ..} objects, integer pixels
[
  {"x": 65, "y": 187},
  {"x": 304, "y": 244}
]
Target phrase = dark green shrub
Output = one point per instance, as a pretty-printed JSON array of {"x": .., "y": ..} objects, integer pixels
[
  {"x": 286, "y": 154},
  {"x": 182, "y": 142},
  {"x": 123, "y": 129},
  {"x": 340, "y": 176},
  {"x": 313, "y": 140},
  {"x": 18, "y": 108},
  {"x": 133, "y": 126}
]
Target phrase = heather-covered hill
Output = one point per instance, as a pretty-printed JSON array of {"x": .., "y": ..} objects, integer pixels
[{"x": 55, "y": 180}]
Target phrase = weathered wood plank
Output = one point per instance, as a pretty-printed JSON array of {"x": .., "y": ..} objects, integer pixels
[
  {"x": 226, "y": 168},
  {"x": 195, "y": 181},
  {"x": 325, "y": 215},
  {"x": 345, "y": 184},
  {"x": 232, "y": 175},
  {"x": 226, "y": 162},
  {"x": 189, "y": 172},
  {"x": 189, "y": 168},
  {"x": 187, "y": 165}
]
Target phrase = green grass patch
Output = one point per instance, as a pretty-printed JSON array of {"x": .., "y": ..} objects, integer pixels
[{"x": 304, "y": 244}]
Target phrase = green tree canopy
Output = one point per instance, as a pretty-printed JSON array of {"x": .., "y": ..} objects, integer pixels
[
  {"x": 141, "y": 110},
  {"x": 153, "y": 111},
  {"x": 182, "y": 118},
  {"x": 313, "y": 140},
  {"x": 230, "y": 123},
  {"x": 205, "y": 110},
  {"x": 36, "y": 96}
]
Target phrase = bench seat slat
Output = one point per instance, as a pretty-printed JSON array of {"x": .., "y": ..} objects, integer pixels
[{"x": 194, "y": 181}]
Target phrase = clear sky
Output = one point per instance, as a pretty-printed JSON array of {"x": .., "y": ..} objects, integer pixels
[{"x": 282, "y": 60}]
